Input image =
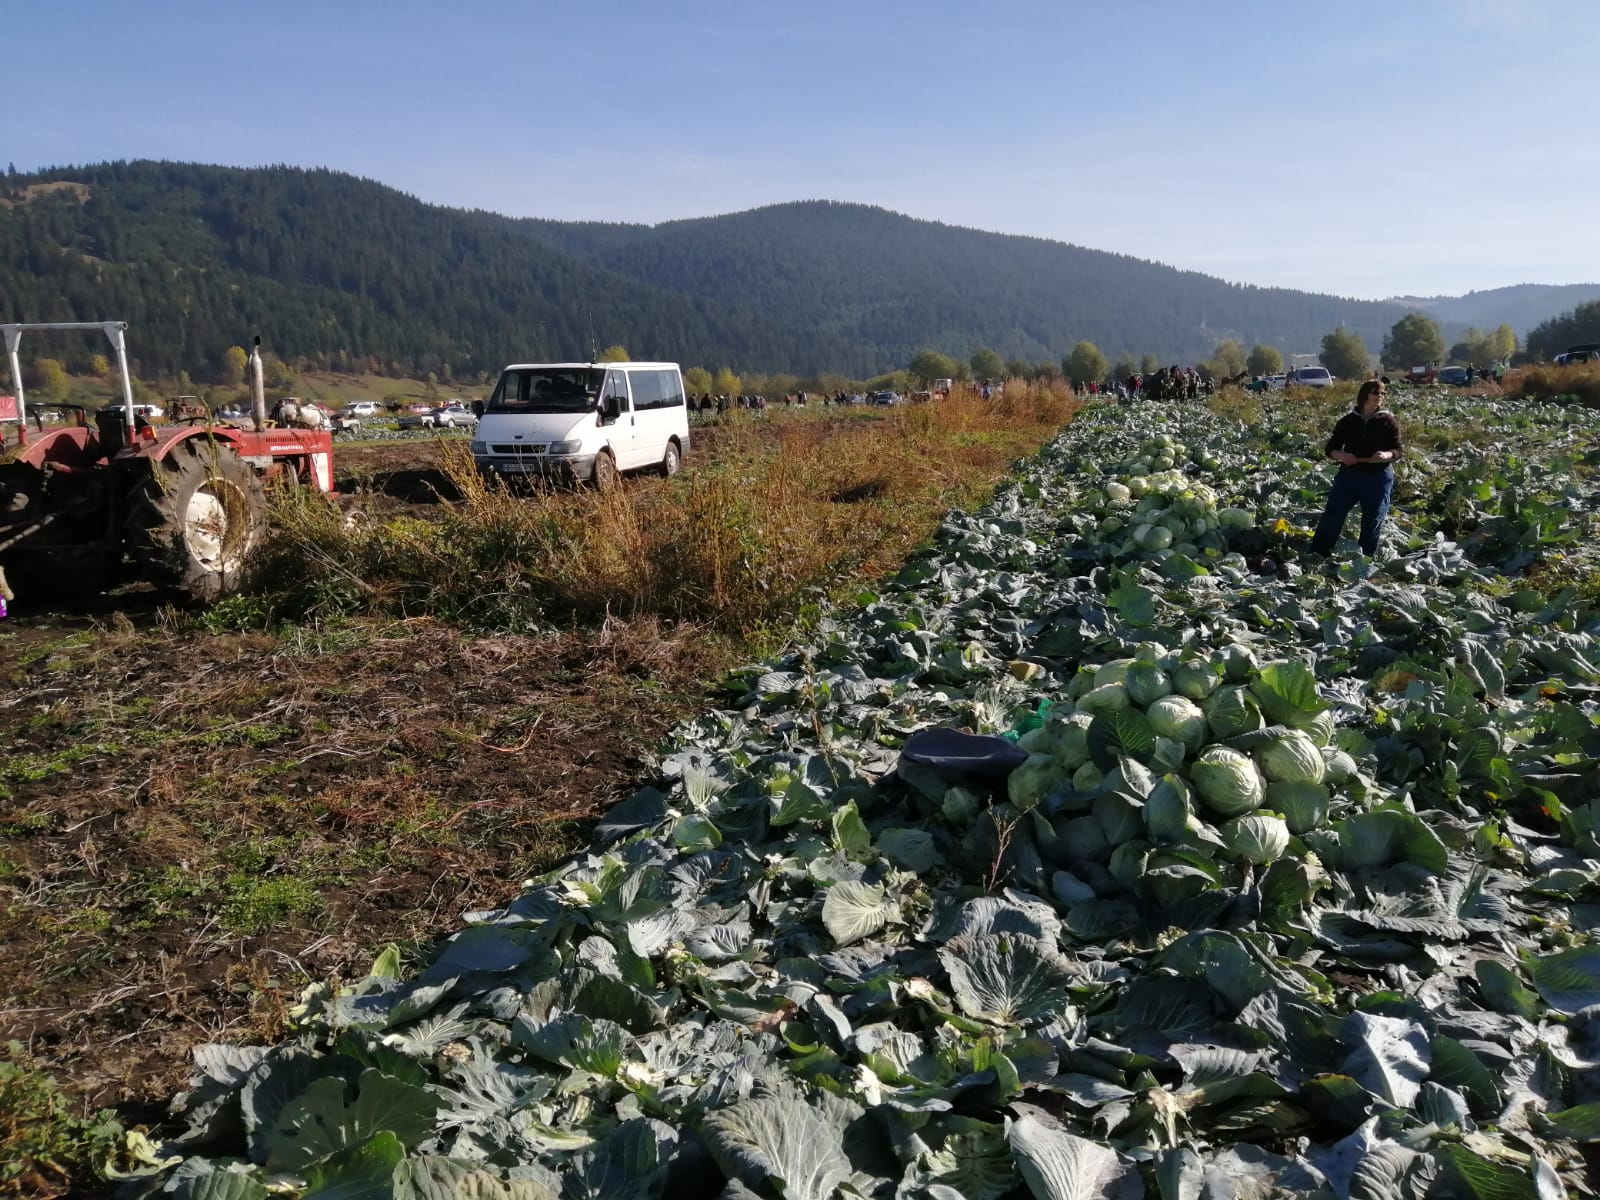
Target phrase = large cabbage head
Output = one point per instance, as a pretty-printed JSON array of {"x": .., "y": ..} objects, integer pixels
[
  {"x": 1341, "y": 767},
  {"x": 1260, "y": 837},
  {"x": 1105, "y": 698},
  {"x": 1292, "y": 757},
  {"x": 1227, "y": 781},
  {"x": 1232, "y": 711},
  {"x": 1147, "y": 683},
  {"x": 1035, "y": 779},
  {"x": 1115, "y": 671},
  {"x": 1068, "y": 739},
  {"x": 1179, "y": 719},
  {"x": 1167, "y": 809},
  {"x": 1196, "y": 680},
  {"x": 1238, "y": 663},
  {"x": 1303, "y": 805}
]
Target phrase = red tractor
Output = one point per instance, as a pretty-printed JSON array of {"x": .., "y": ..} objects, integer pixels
[{"x": 181, "y": 506}]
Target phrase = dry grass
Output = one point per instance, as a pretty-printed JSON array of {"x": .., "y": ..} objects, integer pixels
[
  {"x": 783, "y": 514},
  {"x": 1548, "y": 382}
]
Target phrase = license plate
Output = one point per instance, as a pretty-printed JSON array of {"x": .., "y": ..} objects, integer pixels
[{"x": 515, "y": 468}]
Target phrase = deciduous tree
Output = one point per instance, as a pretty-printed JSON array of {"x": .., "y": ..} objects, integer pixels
[
  {"x": 697, "y": 380},
  {"x": 1345, "y": 355},
  {"x": 1149, "y": 365},
  {"x": 1502, "y": 343},
  {"x": 50, "y": 380},
  {"x": 986, "y": 364},
  {"x": 1227, "y": 360},
  {"x": 1264, "y": 360},
  {"x": 234, "y": 363},
  {"x": 613, "y": 354},
  {"x": 99, "y": 366},
  {"x": 929, "y": 365},
  {"x": 1085, "y": 364},
  {"x": 726, "y": 383},
  {"x": 1415, "y": 339}
]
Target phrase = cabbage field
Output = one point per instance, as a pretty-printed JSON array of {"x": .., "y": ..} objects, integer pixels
[{"x": 1294, "y": 891}]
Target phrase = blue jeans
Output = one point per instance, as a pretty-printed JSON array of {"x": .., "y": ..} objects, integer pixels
[{"x": 1371, "y": 490}]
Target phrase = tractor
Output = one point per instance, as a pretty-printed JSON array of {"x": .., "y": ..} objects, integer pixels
[{"x": 114, "y": 498}]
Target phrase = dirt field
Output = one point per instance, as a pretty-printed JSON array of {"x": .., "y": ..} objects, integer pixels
[{"x": 193, "y": 826}]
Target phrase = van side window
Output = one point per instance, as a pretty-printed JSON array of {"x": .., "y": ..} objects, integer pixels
[
  {"x": 645, "y": 395},
  {"x": 617, "y": 385},
  {"x": 670, "y": 385}
]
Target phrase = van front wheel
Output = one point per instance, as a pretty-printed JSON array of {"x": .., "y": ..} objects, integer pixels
[
  {"x": 605, "y": 472},
  {"x": 670, "y": 461}
]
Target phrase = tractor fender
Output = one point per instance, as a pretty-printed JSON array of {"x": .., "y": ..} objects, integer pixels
[{"x": 306, "y": 452}]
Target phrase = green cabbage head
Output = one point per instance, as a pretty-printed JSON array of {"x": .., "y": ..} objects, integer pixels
[
  {"x": 1260, "y": 837},
  {"x": 1227, "y": 781}
]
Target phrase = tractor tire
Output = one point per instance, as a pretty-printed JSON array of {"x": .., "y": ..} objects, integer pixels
[{"x": 194, "y": 517}]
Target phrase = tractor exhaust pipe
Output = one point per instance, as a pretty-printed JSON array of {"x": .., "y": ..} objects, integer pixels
[{"x": 258, "y": 388}]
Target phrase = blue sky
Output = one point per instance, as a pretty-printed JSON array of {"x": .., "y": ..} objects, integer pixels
[{"x": 1368, "y": 148}]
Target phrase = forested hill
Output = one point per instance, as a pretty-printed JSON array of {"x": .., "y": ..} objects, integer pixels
[
  {"x": 347, "y": 273},
  {"x": 899, "y": 284}
]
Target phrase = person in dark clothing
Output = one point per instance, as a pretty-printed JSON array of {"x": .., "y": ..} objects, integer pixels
[{"x": 1365, "y": 444}]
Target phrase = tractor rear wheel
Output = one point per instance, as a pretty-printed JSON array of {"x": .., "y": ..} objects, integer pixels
[{"x": 193, "y": 519}]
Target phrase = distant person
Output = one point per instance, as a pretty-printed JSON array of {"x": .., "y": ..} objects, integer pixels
[{"x": 1365, "y": 444}]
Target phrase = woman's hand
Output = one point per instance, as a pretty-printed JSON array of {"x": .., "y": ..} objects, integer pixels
[{"x": 1344, "y": 457}]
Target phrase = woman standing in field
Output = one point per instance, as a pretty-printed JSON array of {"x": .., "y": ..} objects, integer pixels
[{"x": 1365, "y": 444}]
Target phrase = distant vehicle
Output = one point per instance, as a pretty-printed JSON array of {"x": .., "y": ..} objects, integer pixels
[
  {"x": 361, "y": 408},
  {"x": 885, "y": 397},
  {"x": 1316, "y": 377},
  {"x": 1587, "y": 353},
  {"x": 444, "y": 417},
  {"x": 1426, "y": 373},
  {"x": 856, "y": 398},
  {"x": 1454, "y": 376},
  {"x": 1276, "y": 381},
  {"x": 150, "y": 412},
  {"x": 583, "y": 422},
  {"x": 942, "y": 386}
]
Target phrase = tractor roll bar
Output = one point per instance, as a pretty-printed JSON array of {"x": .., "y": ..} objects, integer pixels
[{"x": 115, "y": 331}]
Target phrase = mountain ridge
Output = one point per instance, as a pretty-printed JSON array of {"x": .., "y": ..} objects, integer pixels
[{"x": 345, "y": 272}]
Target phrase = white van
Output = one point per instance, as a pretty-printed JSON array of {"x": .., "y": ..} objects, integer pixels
[{"x": 583, "y": 422}]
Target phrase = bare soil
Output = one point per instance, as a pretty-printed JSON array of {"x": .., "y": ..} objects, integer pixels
[{"x": 194, "y": 827}]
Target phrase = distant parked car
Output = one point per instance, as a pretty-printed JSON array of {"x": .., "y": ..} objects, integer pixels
[
  {"x": 1316, "y": 377},
  {"x": 446, "y": 416},
  {"x": 361, "y": 408},
  {"x": 150, "y": 412},
  {"x": 885, "y": 397},
  {"x": 856, "y": 398},
  {"x": 1575, "y": 355},
  {"x": 1454, "y": 376}
]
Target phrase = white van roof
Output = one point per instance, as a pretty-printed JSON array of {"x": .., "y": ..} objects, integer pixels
[{"x": 583, "y": 366}]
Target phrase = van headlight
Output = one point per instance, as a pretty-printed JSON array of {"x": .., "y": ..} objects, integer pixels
[
  {"x": 565, "y": 447},
  {"x": 480, "y": 448}
]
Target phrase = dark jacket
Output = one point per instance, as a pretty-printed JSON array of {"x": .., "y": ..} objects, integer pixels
[{"x": 1364, "y": 437}]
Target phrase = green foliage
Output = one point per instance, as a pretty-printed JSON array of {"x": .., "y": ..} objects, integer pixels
[
  {"x": 1414, "y": 339},
  {"x": 1227, "y": 360},
  {"x": 1085, "y": 364},
  {"x": 50, "y": 380},
  {"x": 726, "y": 383},
  {"x": 986, "y": 364},
  {"x": 1149, "y": 364},
  {"x": 1265, "y": 360},
  {"x": 697, "y": 380},
  {"x": 613, "y": 354},
  {"x": 99, "y": 366},
  {"x": 1575, "y": 328},
  {"x": 929, "y": 365},
  {"x": 44, "y": 1143},
  {"x": 234, "y": 364},
  {"x": 1345, "y": 355}
]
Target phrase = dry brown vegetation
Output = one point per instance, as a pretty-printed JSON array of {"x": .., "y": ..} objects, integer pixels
[
  {"x": 200, "y": 814},
  {"x": 1548, "y": 381}
]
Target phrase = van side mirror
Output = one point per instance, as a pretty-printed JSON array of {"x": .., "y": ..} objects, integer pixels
[{"x": 477, "y": 408}]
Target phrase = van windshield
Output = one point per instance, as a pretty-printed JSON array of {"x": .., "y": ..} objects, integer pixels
[{"x": 547, "y": 390}]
